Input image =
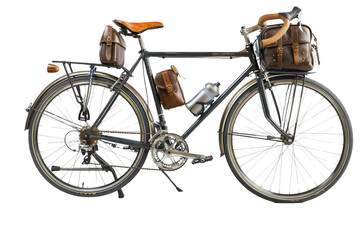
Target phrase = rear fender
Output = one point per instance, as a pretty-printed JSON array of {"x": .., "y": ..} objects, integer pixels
[{"x": 31, "y": 108}]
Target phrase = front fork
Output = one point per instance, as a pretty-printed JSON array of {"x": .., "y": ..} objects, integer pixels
[{"x": 283, "y": 129}]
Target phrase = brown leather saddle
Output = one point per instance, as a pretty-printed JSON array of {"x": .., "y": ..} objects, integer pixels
[{"x": 136, "y": 28}]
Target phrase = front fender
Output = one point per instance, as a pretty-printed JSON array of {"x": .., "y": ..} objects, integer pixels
[
  {"x": 226, "y": 111},
  {"x": 31, "y": 108}
]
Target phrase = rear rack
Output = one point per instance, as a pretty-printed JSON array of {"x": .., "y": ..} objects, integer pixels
[
  {"x": 92, "y": 65},
  {"x": 84, "y": 114}
]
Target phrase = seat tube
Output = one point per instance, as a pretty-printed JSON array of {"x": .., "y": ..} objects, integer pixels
[{"x": 154, "y": 92}]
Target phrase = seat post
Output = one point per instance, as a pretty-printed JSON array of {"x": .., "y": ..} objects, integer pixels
[{"x": 141, "y": 42}]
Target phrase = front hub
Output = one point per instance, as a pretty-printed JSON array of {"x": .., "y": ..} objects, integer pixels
[{"x": 289, "y": 140}]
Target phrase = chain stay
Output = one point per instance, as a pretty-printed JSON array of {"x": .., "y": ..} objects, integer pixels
[
  {"x": 124, "y": 132},
  {"x": 140, "y": 168}
]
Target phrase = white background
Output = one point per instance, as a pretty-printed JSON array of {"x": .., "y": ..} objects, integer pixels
[{"x": 214, "y": 205}]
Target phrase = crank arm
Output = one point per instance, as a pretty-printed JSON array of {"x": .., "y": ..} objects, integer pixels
[{"x": 185, "y": 154}]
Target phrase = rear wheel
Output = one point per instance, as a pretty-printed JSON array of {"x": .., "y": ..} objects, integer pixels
[
  {"x": 87, "y": 167},
  {"x": 293, "y": 171}
]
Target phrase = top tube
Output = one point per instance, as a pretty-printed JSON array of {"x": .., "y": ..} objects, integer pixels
[{"x": 197, "y": 54}]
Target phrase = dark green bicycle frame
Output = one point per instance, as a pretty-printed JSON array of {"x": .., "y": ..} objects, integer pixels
[{"x": 145, "y": 55}]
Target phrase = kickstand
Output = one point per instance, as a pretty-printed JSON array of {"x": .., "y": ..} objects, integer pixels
[
  {"x": 177, "y": 188},
  {"x": 121, "y": 193}
]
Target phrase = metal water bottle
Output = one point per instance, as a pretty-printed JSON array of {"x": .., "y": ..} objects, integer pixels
[{"x": 203, "y": 99}]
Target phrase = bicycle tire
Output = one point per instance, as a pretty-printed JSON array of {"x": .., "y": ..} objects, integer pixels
[
  {"x": 251, "y": 157},
  {"x": 60, "y": 101}
]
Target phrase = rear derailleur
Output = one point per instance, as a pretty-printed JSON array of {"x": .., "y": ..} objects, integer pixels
[{"x": 87, "y": 151}]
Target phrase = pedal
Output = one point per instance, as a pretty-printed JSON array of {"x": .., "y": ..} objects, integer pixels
[{"x": 202, "y": 160}]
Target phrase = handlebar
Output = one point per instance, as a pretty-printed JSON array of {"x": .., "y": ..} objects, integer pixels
[
  {"x": 286, "y": 17},
  {"x": 280, "y": 33}
]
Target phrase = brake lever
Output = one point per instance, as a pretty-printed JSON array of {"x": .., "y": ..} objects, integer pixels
[{"x": 299, "y": 22}]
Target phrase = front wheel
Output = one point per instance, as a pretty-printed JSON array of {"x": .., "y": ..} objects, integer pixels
[{"x": 279, "y": 170}]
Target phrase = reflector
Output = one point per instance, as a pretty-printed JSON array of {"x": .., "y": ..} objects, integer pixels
[{"x": 51, "y": 68}]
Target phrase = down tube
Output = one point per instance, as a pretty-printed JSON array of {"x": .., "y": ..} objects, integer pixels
[{"x": 218, "y": 101}]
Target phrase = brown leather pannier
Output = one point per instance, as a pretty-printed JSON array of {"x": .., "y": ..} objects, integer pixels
[
  {"x": 112, "y": 47},
  {"x": 291, "y": 52},
  {"x": 169, "y": 89}
]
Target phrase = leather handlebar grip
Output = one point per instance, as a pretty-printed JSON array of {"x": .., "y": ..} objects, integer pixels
[
  {"x": 280, "y": 33},
  {"x": 264, "y": 18}
]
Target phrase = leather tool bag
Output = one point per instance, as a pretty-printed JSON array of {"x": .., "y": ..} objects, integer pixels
[
  {"x": 292, "y": 52},
  {"x": 170, "y": 92},
  {"x": 112, "y": 47}
]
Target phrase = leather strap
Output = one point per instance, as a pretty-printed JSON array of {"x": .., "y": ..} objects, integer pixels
[
  {"x": 280, "y": 53},
  {"x": 105, "y": 41},
  {"x": 168, "y": 85},
  {"x": 109, "y": 43},
  {"x": 295, "y": 44}
]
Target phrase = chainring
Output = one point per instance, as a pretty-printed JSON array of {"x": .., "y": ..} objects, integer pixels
[{"x": 161, "y": 144}]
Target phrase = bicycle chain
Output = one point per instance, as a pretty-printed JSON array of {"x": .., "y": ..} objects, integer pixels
[
  {"x": 118, "y": 166},
  {"x": 140, "y": 168}
]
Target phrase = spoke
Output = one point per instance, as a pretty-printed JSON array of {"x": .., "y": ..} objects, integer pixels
[
  {"x": 113, "y": 107},
  {"x": 319, "y": 124},
  {"x": 47, "y": 136},
  {"x": 117, "y": 154},
  {"x": 116, "y": 169},
  {"x": 248, "y": 148},
  {"x": 60, "y": 119},
  {"x": 317, "y": 158},
  {"x": 297, "y": 160},
  {"x": 58, "y": 149},
  {"x": 276, "y": 166},
  {"x": 318, "y": 140},
  {"x": 309, "y": 110},
  {"x": 315, "y": 149},
  {"x": 297, "y": 171},
  {"x": 76, "y": 160},
  {"x": 263, "y": 152},
  {"x": 255, "y": 124},
  {"x": 260, "y": 151},
  {"x": 122, "y": 122},
  {"x": 313, "y": 117},
  {"x": 276, "y": 160},
  {"x": 110, "y": 150},
  {"x": 65, "y": 117}
]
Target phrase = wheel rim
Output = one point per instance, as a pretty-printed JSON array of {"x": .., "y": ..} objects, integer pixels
[
  {"x": 57, "y": 144},
  {"x": 295, "y": 171}
]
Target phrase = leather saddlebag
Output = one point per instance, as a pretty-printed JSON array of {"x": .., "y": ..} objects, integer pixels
[
  {"x": 292, "y": 52},
  {"x": 112, "y": 47},
  {"x": 170, "y": 92}
]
